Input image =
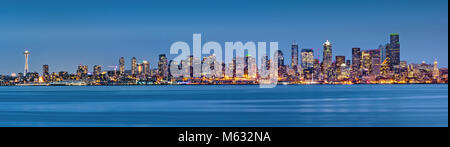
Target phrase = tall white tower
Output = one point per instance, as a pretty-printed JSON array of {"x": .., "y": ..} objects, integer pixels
[{"x": 26, "y": 53}]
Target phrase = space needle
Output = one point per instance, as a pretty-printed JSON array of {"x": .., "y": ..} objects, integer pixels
[{"x": 26, "y": 53}]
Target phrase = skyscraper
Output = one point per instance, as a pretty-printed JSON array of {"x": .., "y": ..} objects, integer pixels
[
  {"x": 133, "y": 66},
  {"x": 375, "y": 55},
  {"x": 356, "y": 59},
  {"x": 383, "y": 49},
  {"x": 45, "y": 72},
  {"x": 140, "y": 69},
  {"x": 295, "y": 57},
  {"x": 27, "y": 54},
  {"x": 121, "y": 66},
  {"x": 308, "y": 62},
  {"x": 146, "y": 69},
  {"x": 394, "y": 49},
  {"x": 163, "y": 68},
  {"x": 327, "y": 55},
  {"x": 436, "y": 71},
  {"x": 280, "y": 58},
  {"x": 281, "y": 67},
  {"x": 307, "y": 58},
  {"x": 366, "y": 62}
]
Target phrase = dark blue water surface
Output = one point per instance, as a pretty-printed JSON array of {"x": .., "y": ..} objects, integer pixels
[{"x": 226, "y": 106}]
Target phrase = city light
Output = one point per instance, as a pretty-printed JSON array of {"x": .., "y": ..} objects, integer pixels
[{"x": 374, "y": 66}]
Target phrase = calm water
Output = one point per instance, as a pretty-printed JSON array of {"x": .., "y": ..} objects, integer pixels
[{"x": 223, "y": 106}]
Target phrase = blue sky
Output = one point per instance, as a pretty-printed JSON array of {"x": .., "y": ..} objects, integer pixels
[{"x": 66, "y": 33}]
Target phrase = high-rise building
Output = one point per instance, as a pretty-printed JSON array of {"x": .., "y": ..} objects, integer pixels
[
  {"x": 282, "y": 71},
  {"x": 394, "y": 49},
  {"x": 27, "y": 54},
  {"x": 133, "y": 66},
  {"x": 327, "y": 55},
  {"x": 97, "y": 70},
  {"x": 45, "y": 72},
  {"x": 375, "y": 68},
  {"x": 280, "y": 58},
  {"x": 146, "y": 66},
  {"x": 82, "y": 71},
  {"x": 85, "y": 69},
  {"x": 265, "y": 63},
  {"x": 295, "y": 57},
  {"x": 383, "y": 49},
  {"x": 356, "y": 59},
  {"x": 140, "y": 69},
  {"x": 340, "y": 65},
  {"x": 163, "y": 68},
  {"x": 375, "y": 53},
  {"x": 340, "y": 60},
  {"x": 122, "y": 66},
  {"x": 250, "y": 67},
  {"x": 307, "y": 58},
  {"x": 386, "y": 67},
  {"x": 366, "y": 62},
  {"x": 436, "y": 72}
]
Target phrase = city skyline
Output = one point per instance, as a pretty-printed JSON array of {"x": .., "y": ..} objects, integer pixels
[
  {"x": 65, "y": 37},
  {"x": 329, "y": 57},
  {"x": 295, "y": 53},
  {"x": 373, "y": 66}
]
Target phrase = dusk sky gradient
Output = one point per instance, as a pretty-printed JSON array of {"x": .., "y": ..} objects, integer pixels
[{"x": 66, "y": 33}]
